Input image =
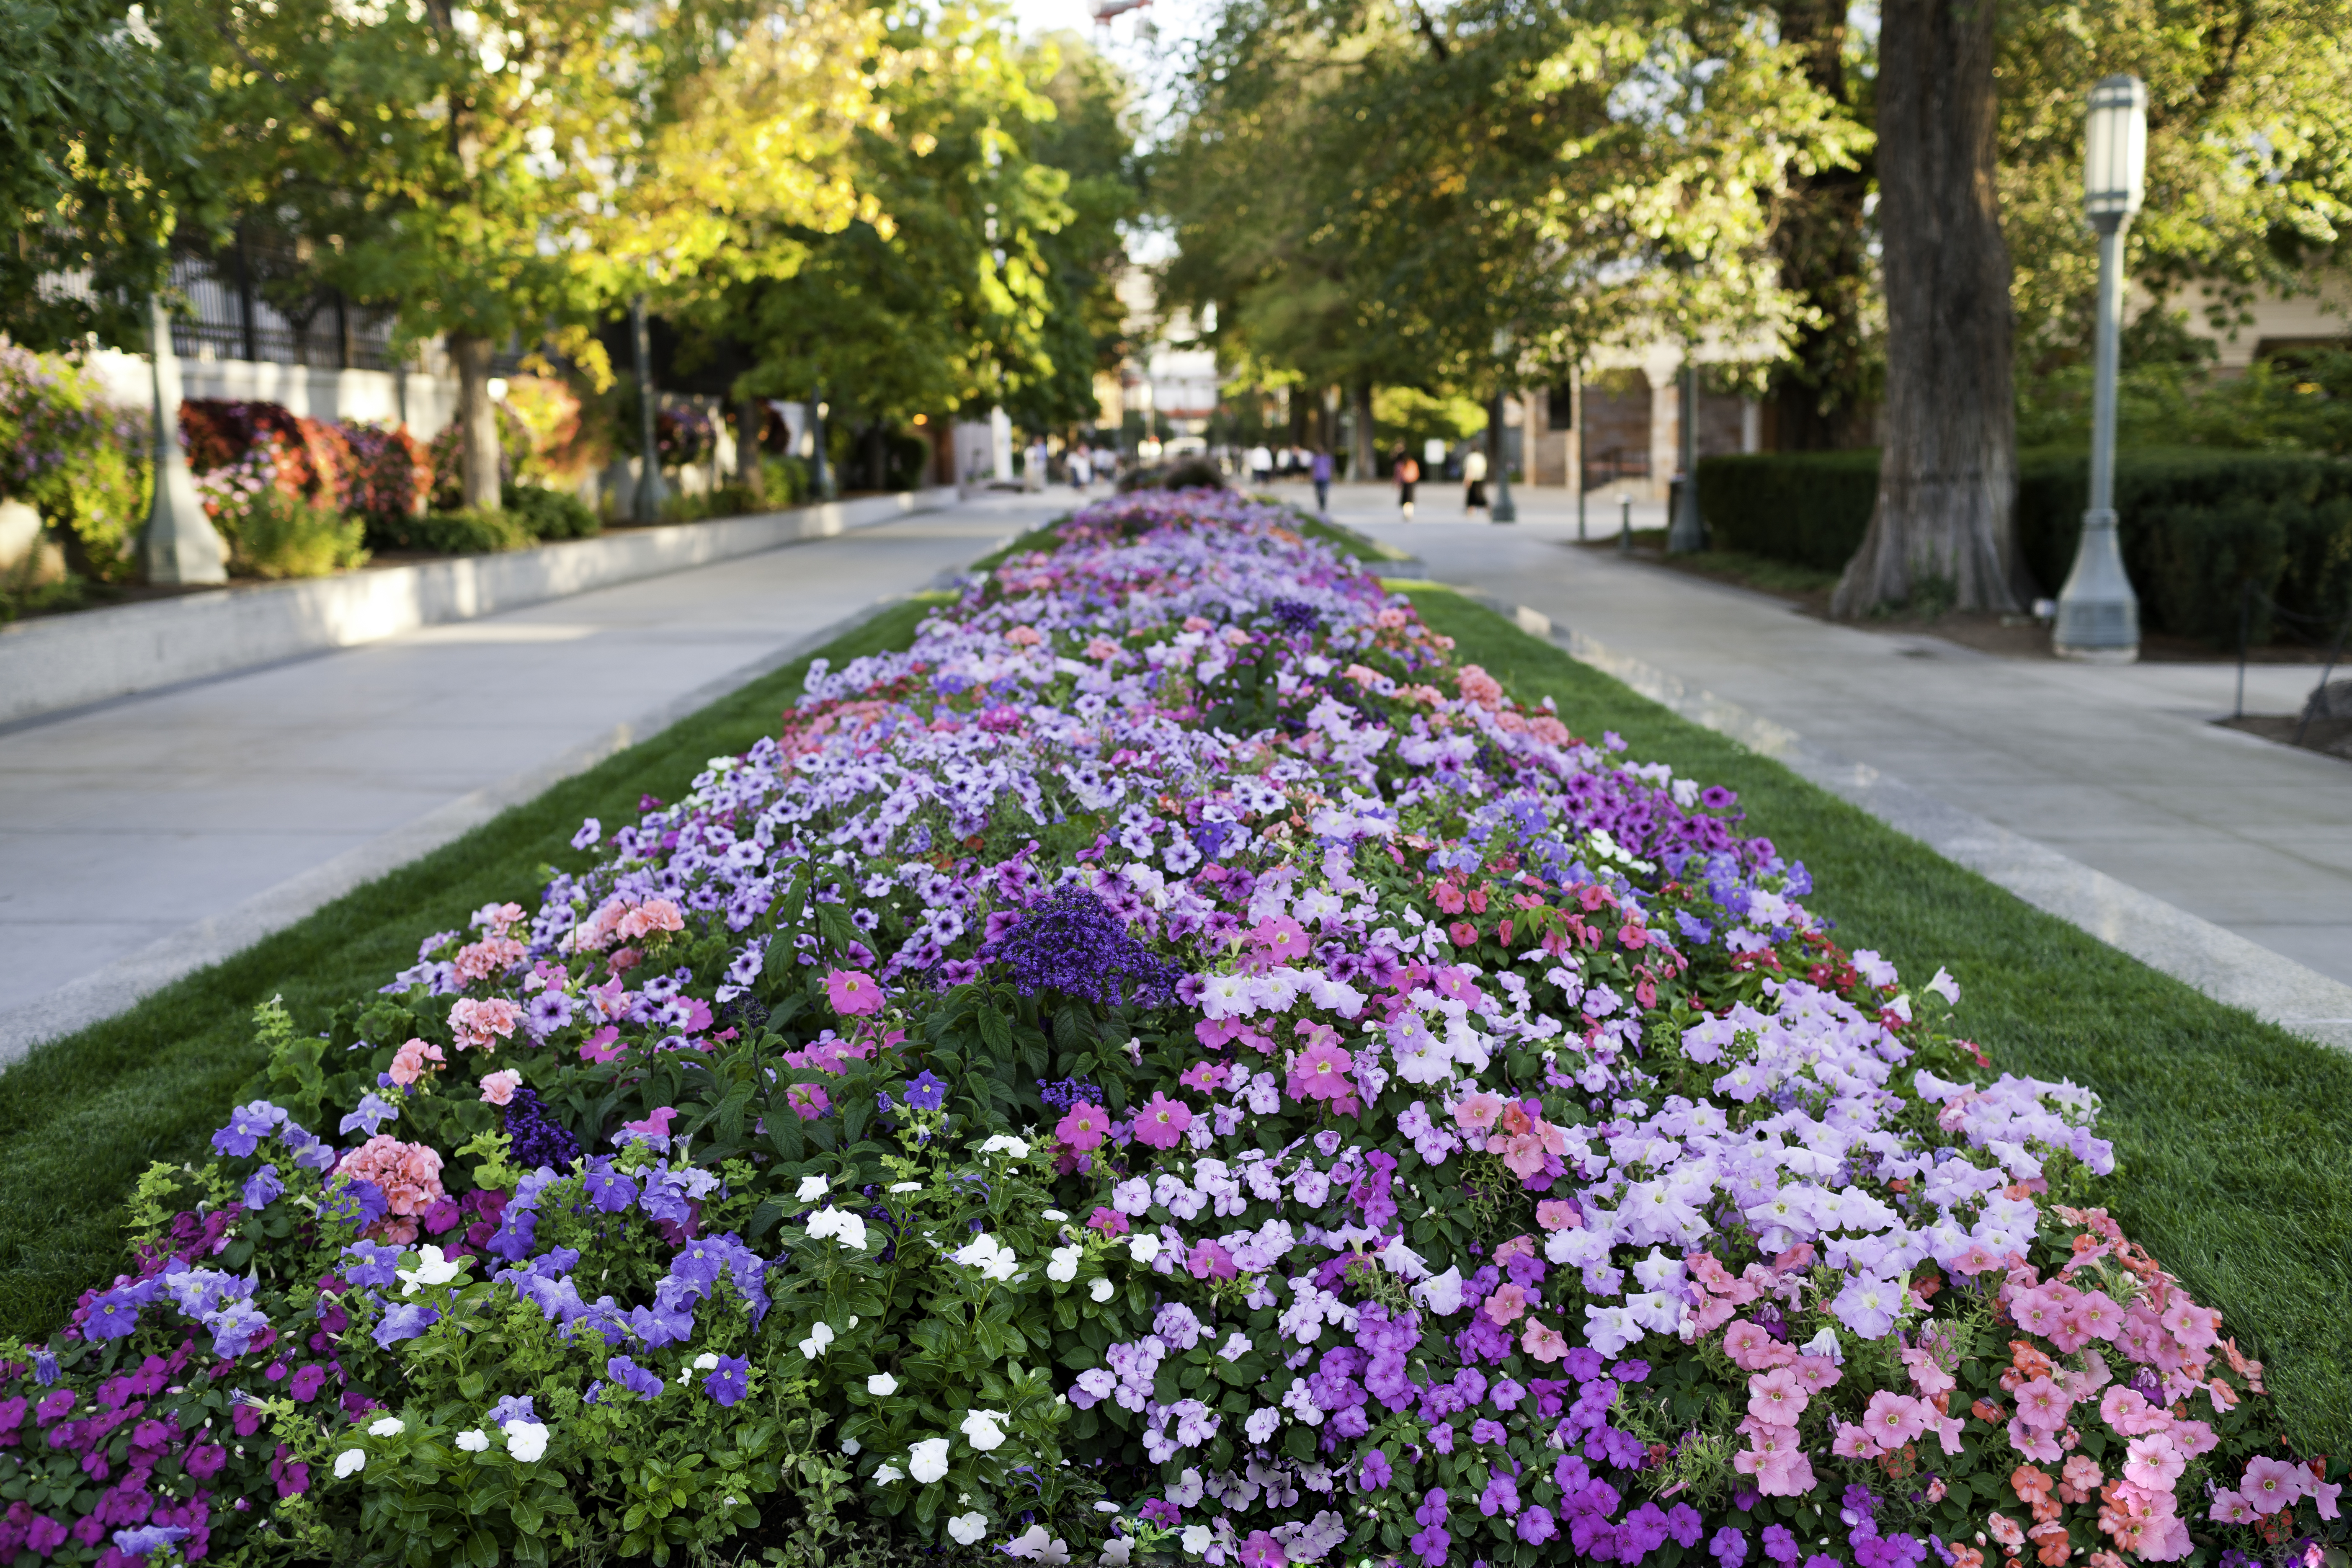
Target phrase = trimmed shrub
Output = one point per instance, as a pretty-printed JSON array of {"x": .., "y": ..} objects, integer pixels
[
  {"x": 551, "y": 514},
  {"x": 2197, "y": 522},
  {"x": 466, "y": 532},
  {"x": 1807, "y": 508}
]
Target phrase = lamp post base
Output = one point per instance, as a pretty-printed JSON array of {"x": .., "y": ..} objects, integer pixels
[
  {"x": 2097, "y": 655},
  {"x": 2098, "y": 613}
]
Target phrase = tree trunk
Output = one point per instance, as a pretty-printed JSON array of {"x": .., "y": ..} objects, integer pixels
[
  {"x": 1819, "y": 399},
  {"x": 1945, "y": 523},
  {"x": 1363, "y": 468},
  {"x": 478, "y": 420}
]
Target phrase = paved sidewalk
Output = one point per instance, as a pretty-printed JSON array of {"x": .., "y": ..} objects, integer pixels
[
  {"x": 142, "y": 838},
  {"x": 2118, "y": 769}
]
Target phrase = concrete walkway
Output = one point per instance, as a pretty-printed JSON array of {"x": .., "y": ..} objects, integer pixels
[
  {"x": 142, "y": 838},
  {"x": 2118, "y": 769}
]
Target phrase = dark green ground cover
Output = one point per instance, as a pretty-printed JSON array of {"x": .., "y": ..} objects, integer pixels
[
  {"x": 2235, "y": 1165},
  {"x": 2232, "y": 1151}
]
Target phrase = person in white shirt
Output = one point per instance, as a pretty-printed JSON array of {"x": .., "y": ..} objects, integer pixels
[
  {"x": 1473, "y": 482},
  {"x": 1082, "y": 468},
  {"x": 1260, "y": 462}
]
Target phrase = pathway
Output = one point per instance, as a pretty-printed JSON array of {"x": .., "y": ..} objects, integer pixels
[
  {"x": 2115, "y": 769},
  {"x": 142, "y": 838}
]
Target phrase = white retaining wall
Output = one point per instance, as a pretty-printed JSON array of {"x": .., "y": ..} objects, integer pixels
[
  {"x": 54, "y": 663},
  {"x": 321, "y": 394}
]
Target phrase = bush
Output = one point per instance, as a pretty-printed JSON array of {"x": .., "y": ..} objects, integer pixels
[
  {"x": 1810, "y": 509},
  {"x": 74, "y": 459},
  {"x": 278, "y": 535},
  {"x": 466, "y": 532},
  {"x": 1422, "y": 1137},
  {"x": 551, "y": 514},
  {"x": 2196, "y": 522}
]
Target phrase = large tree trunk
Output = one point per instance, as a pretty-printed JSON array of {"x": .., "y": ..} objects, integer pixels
[
  {"x": 478, "y": 420},
  {"x": 1363, "y": 468},
  {"x": 1945, "y": 522},
  {"x": 1819, "y": 401}
]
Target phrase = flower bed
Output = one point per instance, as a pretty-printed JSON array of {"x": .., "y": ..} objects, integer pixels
[{"x": 1170, "y": 1059}]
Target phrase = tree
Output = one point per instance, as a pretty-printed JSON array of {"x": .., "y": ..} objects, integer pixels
[
  {"x": 100, "y": 126},
  {"x": 1944, "y": 520}
]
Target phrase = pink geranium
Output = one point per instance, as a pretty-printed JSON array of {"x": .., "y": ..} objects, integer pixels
[
  {"x": 498, "y": 1088},
  {"x": 413, "y": 1061},
  {"x": 852, "y": 993},
  {"x": 1162, "y": 1121},
  {"x": 480, "y": 1024},
  {"x": 652, "y": 915},
  {"x": 1084, "y": 1128},
  {"x": 407, "y": 1174}
]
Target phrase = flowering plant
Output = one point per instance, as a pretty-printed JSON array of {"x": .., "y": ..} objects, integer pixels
[
  {"x": 1173, "y": 1055},
  {"x": 72, "y": 456}
]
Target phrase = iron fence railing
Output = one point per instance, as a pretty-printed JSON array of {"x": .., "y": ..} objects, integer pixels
[{"x": 2305, "y": 628}]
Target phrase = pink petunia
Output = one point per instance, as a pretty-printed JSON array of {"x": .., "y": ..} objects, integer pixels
[
  {"x": 2269, "y": 1484},
  {"x": 2033, "y": 1442},
  {"x": 1477, "y": 1112},
  {"x": 1543, "y": 1342},
  {"x": 2129, "y": 1413},
  {"x": 852, "y": 993},
  {"x": 1507, "y": 1305},
  {"x": 1162, "y": 1123},
  {"x": 1108, "y": 1221},
  {"x": 2153, "y": 1462},
  {"x": 1895, "y": 1419},
  {"x": 2228, "y": 1508},
  {"x": 1815, "y": 1374},
  {"x": 1556, "y": 1214},
  {"x": 2043, "y": 1405},
  {"x": 1751, "y": 1349},
  {"x": 1778, "y": 1397},
  {"x": 1084, "y": 1128},
  {"x": 1281, "y": 938},
  {"x": 1320, "y": 1072}
]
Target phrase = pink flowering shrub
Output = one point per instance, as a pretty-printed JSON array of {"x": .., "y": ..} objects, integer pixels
[{"x": 1173, "y": 1058}]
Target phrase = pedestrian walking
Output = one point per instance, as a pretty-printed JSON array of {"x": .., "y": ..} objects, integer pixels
[
  {"x": 1261, "y": 463},
  {"x": 1473, "y": 482},
  {"x": 1319, "y": 470},
  {"x": 1408, "y": 474},
  {"x": 1082, "y": 468}
]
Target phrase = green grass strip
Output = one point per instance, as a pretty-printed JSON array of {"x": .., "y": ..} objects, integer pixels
[
  {"x": 81, "y": 1116},
  {"x": 2233, "y": 1159}
]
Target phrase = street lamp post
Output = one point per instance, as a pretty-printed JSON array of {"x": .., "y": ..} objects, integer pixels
[
  {"x": 2098, "y": 613},
  {"x": 179, "y": 546},
  {"x": 1685, "y": 534},
  {"x": 1504, "y": 509},
  {"x": 651, "y": 492}
]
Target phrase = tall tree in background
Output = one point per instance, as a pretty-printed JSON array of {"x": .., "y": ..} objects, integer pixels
[{"x": 1945, "y": 518}]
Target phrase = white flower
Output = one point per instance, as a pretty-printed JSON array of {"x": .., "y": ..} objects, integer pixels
[
  {"x": 526, "y": 1440},
  {"x": 812, "y": 1189},
  {"x": 1035, "y": 1545},
  {"x": 1195, "y": 1538},
  {"x": 1005, "y": 1143},
  {"x": 927, "y": 1461},
  {"x": 980, "y": 1426},
  {"x": 1100, "y": 1289},
  {"x": 819, "y": 1336},
  {"x": 881, "y": 1385},
  {"x": 1056, "y": 1216},
  {"x": 707, "y": 1361},
  {"x": 1143, "y": 1248},
  {"x": 1064, "y": 1265},
  {"x": 1118, "y": 1552},
  {"x": 889, "y": 1473},
  {"x": 1947, "y": 987},
  {"x": 905, "y": 1186},
  {"x": 990, "y": 1256},
  {"x": 432, "y": 1268},
  {"x": 386, "y": 1427},
  {"x": 968, "y": 1528},
  {"x": 847, "y": 1228},
  {"x": 474, "y": 1441},
  {"x": 851, "y": 1447}
]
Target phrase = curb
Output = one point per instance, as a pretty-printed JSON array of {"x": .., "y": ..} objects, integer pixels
[
  {"x": 57, "y": 664},
  {"x": 2209, "y": 958}
]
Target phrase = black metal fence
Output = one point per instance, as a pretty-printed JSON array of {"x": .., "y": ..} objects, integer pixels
[
  {"x": 251, "y": 305},
  {"x": 2315, "y": 631}
]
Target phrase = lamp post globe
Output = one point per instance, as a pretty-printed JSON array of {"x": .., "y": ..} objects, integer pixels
[{"x": 2098, "y": 613}]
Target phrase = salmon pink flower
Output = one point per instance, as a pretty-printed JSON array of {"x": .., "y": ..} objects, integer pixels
[
  {"x": 1543, "y": 1342},
  {"x": 497, "y": 1088}
]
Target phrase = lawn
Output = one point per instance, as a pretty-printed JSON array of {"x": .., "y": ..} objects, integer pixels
[{"x": 2235, "y": 1165}]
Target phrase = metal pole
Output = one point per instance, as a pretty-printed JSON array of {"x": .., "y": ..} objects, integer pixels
[
  {"x": 651, "y": 492},
  {"x": 1685, "y": 534},
  {"x": 820, "y": 479},
  {"x": 179, "y": 546},
  {"x": 2245, "y": 611},
  {"x": 1625, "y": 526},
  {"x": 1504, "y": 509},
  {"x": 2098, "y": 613}
]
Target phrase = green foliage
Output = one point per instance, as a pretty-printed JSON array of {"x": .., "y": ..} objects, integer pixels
[
  {"x": 278, "y": 535},
  {"x": 73, "y": 456},
  {"x": 468, "y": 533},
  {"x": 2196, "y": 522},
  {"x": 2169, "y": 402},
  {"x": 550, "y": 514}
]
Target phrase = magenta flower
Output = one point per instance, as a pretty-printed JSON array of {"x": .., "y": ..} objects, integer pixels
[
  {"x": 852, "y": 993},
  {"x": 1163, "y": 1121}
]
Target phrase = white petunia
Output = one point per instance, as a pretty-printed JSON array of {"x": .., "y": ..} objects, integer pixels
[
  {"x": 905, "y": 1186},
  {"x": 1064, "y": 1265},
  {"x": 968, "y": 1528},
  {"x": 1195, "y": 1538},
  {"x": 707, "y": 1361},
  {"x": 819, "y": 1336},
  {"x": 474, "y": 1441},
  {"x": 990, "y": 1256},
  {"x": 812, "y": 1189},
  {"x": 386, "y": 1427},
  {"x": 1005, "y": 1143},
  {"x": 1143, "y": 1248},
  {"x": 1056, "y": 1216},
  {"x": 927, "y": 1461},
  {"x": 886, "y": 1474},
  {"x": 845, "y": 1227},
  {"x": 983, "y": 1430},
  {"x": 1100, "y": 1289},
  {"x": 881, "y": 1384},
  {"x": 351, "y": 1461},
  {"x": 432, "y": 1268},
  {"x": 526, "y": 1440}
]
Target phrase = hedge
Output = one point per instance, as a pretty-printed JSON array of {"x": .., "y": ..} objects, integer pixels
[{"x": 2197, "y": 521}]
